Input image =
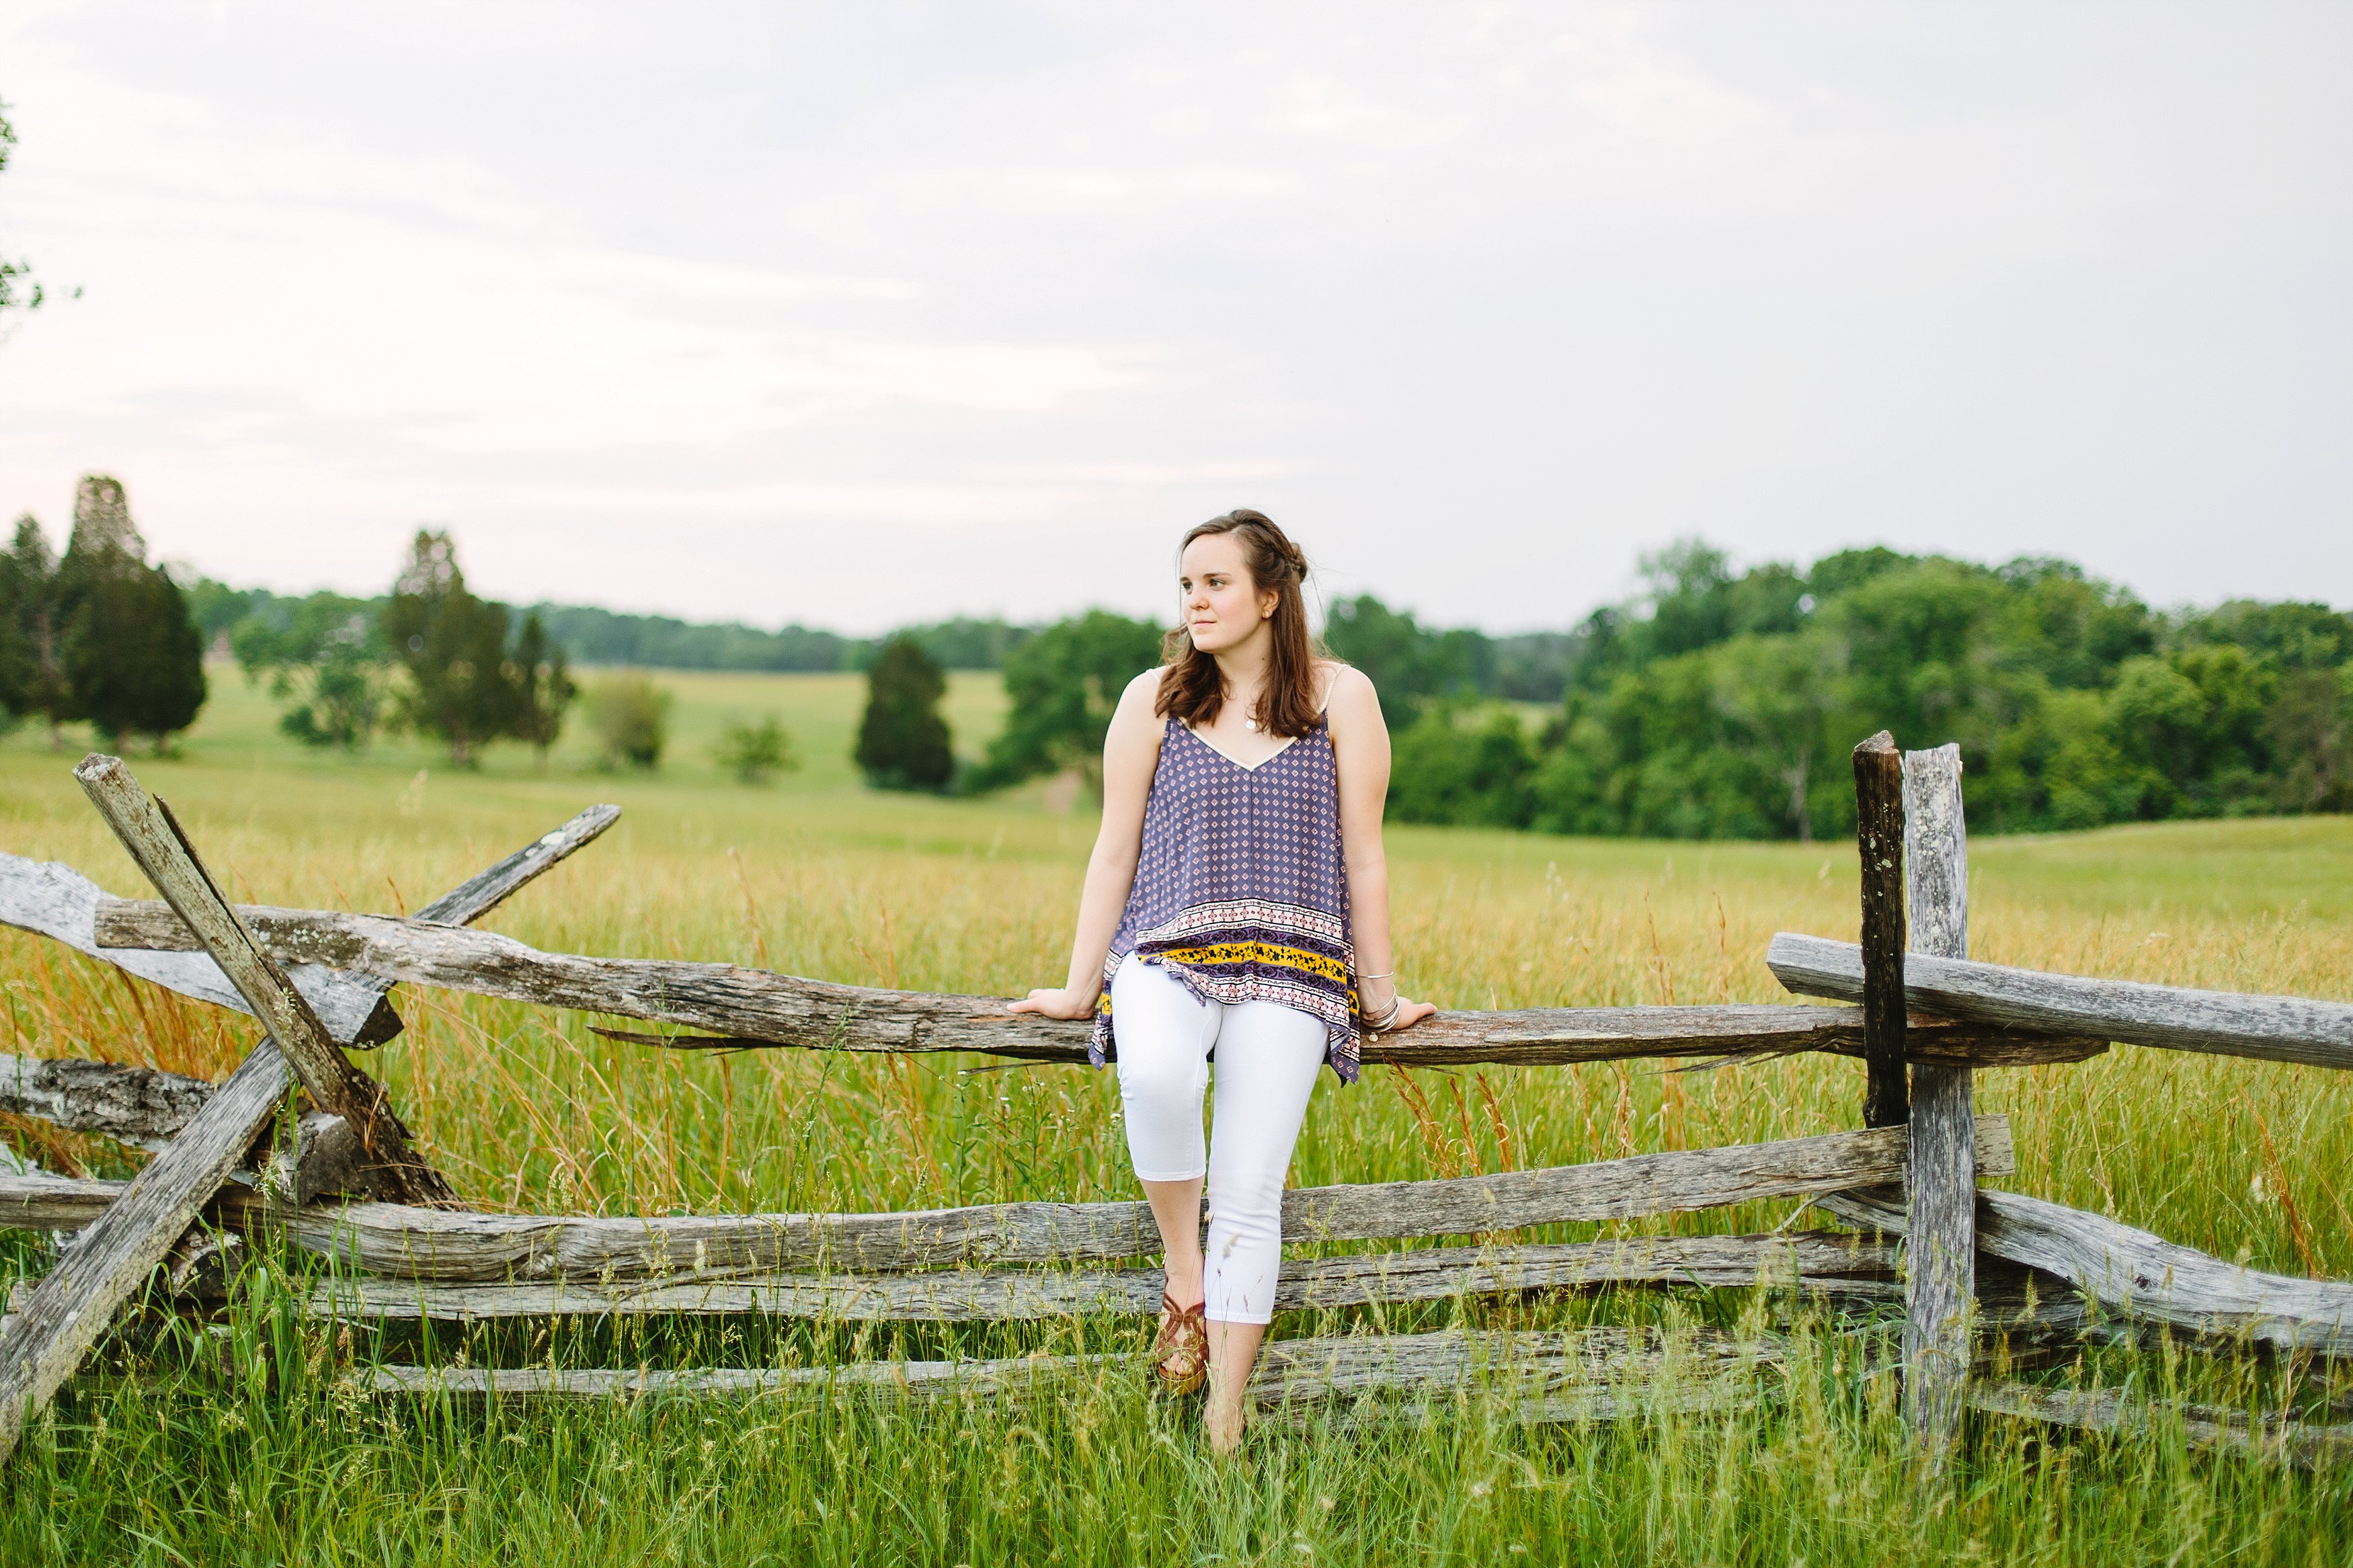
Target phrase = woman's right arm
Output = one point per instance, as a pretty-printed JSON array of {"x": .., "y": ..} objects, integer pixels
[{"x": 1131, "y": 754}]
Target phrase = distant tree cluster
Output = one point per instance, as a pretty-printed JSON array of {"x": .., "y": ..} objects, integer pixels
[
  {"x": 429, "y": 657},
  {"x": 1723, "y": 704},
  {"x": 1411, "y": 664},
  {"x": 97, "y": 634},
  {"x": 1718, "y": 703},
  {"x": 468, "y": 682}
]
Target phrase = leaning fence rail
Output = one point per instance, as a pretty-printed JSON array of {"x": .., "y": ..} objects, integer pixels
[{"x": 1960, "y": 1259}]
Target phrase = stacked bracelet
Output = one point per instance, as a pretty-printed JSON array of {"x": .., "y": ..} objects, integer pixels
[{"x": 1397, "y": 1006}]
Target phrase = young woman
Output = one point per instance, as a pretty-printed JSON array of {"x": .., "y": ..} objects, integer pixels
[{"x": 1238, "y": 900}]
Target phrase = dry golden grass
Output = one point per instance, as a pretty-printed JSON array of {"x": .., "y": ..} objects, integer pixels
[{"x": 821, "y": 877}]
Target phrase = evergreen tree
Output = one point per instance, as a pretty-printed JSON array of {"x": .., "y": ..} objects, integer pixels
[
  {"x": 542, "y": 688},
  {"x": 31, "y": 680},
  {"x": 453, "y": 647},
  {"x": 130, "y": 657},
  {"x": 902, "y": 742}
]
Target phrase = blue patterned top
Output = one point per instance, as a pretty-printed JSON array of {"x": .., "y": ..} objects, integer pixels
[{"x": 1242, "y": 892}]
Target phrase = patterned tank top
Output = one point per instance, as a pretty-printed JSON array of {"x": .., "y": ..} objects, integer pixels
[{"x": 1241, "y": 893}]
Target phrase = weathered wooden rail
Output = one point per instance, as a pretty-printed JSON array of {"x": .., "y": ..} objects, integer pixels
[
  {"x": 753, "y": 1007},
  {"x": 1928, "y": 1020}
]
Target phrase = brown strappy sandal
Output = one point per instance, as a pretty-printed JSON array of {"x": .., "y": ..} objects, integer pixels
[{"x": 1180, "y": 1357}]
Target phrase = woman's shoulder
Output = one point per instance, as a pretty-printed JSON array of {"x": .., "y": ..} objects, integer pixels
[
  {"x": 1145, "y": 689},
  {"x": 1338, "y": 683},
  {"x": 1133, "y": 714}
]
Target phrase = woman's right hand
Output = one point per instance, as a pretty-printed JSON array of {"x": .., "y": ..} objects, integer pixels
[{"x": 1060, "y": 1002}]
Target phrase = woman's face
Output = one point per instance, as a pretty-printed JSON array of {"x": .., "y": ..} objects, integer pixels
[{"x": 1222, "y": 606}]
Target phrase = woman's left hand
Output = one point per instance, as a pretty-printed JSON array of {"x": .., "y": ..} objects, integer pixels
[{"x": 1409, "y": 1014}]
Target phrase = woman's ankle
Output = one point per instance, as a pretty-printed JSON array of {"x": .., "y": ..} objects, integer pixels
[
  {"x": 1224, "y": 1421},
  {"x": 1185, "y": 1287}
]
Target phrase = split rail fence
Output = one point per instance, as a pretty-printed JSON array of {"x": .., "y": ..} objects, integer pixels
[{"x": 1965, "y": 1263}]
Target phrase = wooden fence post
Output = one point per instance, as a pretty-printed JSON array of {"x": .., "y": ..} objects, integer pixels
[
  {"x": 101, "y": 1268},
  {"x": 163, "y": 852},
  {"x": 1940, "y": 1286},
  {"x": 1879, "y": 834}
]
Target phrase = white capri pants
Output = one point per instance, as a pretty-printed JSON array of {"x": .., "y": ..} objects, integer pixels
[{"x": 1268, "y": 1056}]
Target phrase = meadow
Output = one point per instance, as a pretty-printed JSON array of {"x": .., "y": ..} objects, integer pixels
[{"x": 238, "y": 1446}]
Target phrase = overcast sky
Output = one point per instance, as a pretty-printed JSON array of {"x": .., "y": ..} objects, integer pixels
[{"x": 864, "y": 313}]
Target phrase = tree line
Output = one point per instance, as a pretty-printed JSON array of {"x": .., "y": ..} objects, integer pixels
[
  {"x": 1722, "y": 704},
  {"x": 1715, "y": 703},
  {"x": 593, "y": 635},
  {"x": 430, "y": 656}
]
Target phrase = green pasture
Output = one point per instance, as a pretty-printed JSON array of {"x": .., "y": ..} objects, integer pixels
[{"x": 237, "y": 1445}]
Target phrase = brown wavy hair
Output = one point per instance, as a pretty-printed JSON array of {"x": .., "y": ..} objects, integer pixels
[{"x": 1192, "y": 688}]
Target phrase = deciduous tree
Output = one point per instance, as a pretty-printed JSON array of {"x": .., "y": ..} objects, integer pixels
[{"x": 1063, "y": 684}]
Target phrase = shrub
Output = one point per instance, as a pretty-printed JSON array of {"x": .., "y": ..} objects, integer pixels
[
  {"x": 631, "y": 718},
  {"x": 756, "y": 753}
]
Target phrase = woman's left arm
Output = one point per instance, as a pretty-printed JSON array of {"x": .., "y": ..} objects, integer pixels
[{"x": 1360, "y": 742}]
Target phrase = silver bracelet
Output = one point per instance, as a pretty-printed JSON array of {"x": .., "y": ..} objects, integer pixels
[
  {"x": 1390, "y": 975},
  {"x": 1397, "y": 1006}
]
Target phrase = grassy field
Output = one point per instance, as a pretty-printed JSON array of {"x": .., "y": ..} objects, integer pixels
[{"x": 242, "y": 1449}]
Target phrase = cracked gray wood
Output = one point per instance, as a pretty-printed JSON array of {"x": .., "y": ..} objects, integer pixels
[
  {"x": 326, "y": 1161},
  {"x": 77, "y": 1299},
  {"x": 1589, "y": 1374},
  {"x": 2138, "y": 1274},
  {"x": 485, "y": 890},
  {"x": 2303, "y": 1445},
  {"x": 145, "y": 828},
  {"x": 1940, "y": 1187},
  {"x": 1817, "y": 1262},
  {"x": 749, "y": 1007},
  {"x": 395, "y": 1241},
  {"x": 141, "y": 1105},
  {"x": 2172, "y": 1017}
]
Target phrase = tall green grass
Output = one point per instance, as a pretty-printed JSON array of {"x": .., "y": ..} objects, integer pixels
[{"x": 235, "y": 1445}]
